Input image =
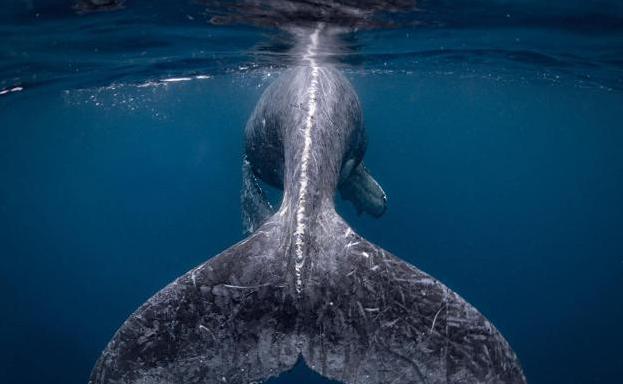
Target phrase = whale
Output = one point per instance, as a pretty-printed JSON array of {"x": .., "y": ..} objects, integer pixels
[{"x": 303, "y": 284}]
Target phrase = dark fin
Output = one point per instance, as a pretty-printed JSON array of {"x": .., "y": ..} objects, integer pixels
[
  {"x": 364, "y": 192},
  {"x": 374, "y": 319},
  {"x": 227, "y": 321},
  {"x": 255, "y": 207}
]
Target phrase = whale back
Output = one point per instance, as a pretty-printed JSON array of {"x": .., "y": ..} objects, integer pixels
[
  {"x": 272, "y": 131},
  {"x": 273, "y": 140}
]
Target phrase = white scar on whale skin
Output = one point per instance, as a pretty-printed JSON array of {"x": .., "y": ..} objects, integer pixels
[{"x": 307, "y": 142}]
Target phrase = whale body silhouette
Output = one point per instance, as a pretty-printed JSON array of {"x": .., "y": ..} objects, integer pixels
[{"x": 304, "y": 284}]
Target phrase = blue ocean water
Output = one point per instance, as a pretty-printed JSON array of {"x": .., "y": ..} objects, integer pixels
[{"x": 495, "y": 127}]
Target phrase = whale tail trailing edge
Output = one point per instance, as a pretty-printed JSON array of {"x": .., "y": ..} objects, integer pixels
[{"x": 364, "y": 316}]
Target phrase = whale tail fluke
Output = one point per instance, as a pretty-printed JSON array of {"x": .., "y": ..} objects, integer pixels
[
  {"x": 230, "y": 320},
  {"x": 374, "y": 318},
  {"x": 363, "y": 316}
]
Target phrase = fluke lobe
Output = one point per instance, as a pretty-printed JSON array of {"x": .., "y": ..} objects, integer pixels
[{"x": 304, "y": 284}]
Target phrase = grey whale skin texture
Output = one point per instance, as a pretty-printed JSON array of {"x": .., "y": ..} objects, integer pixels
[{"x": 353, "y": 312}]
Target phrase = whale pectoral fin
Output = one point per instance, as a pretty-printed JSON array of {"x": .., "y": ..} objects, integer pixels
[
  {"x": 399, "y": 325},
  {"x": 364, "y": 192},
  {"x": 255, "y": 207},
  {"x": 215, "y": 324}
]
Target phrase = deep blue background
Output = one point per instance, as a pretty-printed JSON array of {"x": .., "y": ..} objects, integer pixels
[
  {"x": 494, "y": 127},
  {"x": 509, "y": 192}
]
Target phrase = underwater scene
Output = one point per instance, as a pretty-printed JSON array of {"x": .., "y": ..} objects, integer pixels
[{"x": 370, "y": 192}]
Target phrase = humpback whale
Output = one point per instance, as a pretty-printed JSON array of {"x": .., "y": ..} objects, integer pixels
[{"x": 303, "y": 284}]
